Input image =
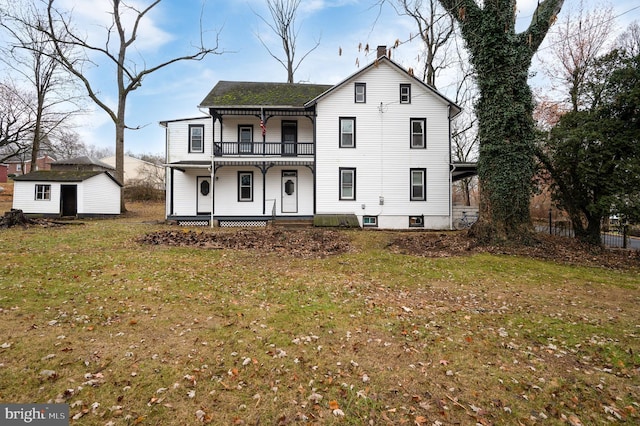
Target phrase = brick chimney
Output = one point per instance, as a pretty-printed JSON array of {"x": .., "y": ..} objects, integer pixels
[{"x": 382, "y": 51}]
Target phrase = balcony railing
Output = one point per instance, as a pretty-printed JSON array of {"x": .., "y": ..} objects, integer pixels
[{"x": 284, "y": 149}]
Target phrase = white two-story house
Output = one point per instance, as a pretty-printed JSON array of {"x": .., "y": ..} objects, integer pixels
[{"x": 375, "y": 147}]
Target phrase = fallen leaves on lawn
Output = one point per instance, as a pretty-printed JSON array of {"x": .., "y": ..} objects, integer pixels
[{"x": 548, "y": 247}]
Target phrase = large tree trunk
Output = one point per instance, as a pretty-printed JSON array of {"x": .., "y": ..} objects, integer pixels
[
  {"x": 506, "y": 161},
  {"x": 501, "y": 59},
  {"x": 120, "y": 160}
]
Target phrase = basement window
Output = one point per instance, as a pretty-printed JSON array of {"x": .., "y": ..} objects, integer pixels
[{"x": 370, "y": 221}]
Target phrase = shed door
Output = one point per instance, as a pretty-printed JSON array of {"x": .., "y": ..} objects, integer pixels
[
  {"x": 289, "y": 191},
  {"x": 204, "y": 196},
  {"x": 69, "y": 200}
]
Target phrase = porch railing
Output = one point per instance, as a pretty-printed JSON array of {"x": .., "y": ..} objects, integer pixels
[{"x": 285, "y": 149}]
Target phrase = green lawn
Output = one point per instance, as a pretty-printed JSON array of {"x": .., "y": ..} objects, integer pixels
[{"x": 127, "y": 333}]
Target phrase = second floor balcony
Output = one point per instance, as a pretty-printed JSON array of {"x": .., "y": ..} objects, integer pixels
[{"x": 263, "y": 149}]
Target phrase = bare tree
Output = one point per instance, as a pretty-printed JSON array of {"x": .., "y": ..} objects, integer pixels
[
  {"x": 577, "y": 41},
  {"x": 16, "y": 121},
  {"x": 435, "y": 29},
  {"x": 31, "y": 56},
  {"x": 283, "y": 24},
  {"x": 119, "y": 43},
  {"x": 65, "y": 144},
  {"x": 630, "y": 39},
  {"x": 464, "y": 138}
]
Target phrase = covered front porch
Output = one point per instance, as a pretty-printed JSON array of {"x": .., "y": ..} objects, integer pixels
[{"x": 233, "y": 192}]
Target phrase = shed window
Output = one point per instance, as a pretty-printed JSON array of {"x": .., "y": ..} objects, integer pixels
[{"x": 43, "y": 192}]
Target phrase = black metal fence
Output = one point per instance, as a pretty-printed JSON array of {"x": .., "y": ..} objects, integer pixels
[{"x": 616, "y": 236}]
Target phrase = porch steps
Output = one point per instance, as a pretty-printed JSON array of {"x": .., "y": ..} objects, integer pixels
[{"x": 292, "y": 223}]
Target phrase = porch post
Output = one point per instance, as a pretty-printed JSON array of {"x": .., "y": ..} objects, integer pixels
[
  {"x": 212, "y": 168},
  {"x": 264, "y": 188}
]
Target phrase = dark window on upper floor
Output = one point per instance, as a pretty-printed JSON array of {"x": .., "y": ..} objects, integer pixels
[
  {"x": 405, "y": 93},
  {"x": 360, "y": 93}
]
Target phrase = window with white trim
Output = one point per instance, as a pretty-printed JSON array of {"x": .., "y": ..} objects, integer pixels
[
  {"x": 347, "y": 132},
  {"x": 43, "y": 192},
  {"x": 347, "y": 183},
  {"x": 418, "y": 184},
  {"x": 360, "y": 93},
  {"x": 418, "y": 133},
  {"x": 196, "y": 138},
  {"x": 405, "y": 93},
  {"x": 245, "y": 186}
]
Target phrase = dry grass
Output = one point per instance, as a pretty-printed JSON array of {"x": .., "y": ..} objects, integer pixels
[
  {"x": 6, "y": 196},
  {"x": 128, "y": 333}
]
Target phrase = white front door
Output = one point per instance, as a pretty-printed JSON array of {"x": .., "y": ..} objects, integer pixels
[
  {"x": 203, "y": 200},
  {"x": 289, "y": 191}
]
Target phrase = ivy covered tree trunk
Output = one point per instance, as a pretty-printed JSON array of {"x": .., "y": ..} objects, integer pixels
[{"x": 501, "y": 59}]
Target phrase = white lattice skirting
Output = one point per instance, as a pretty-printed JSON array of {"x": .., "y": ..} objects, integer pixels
[
  {"x": 193, "y": 222},
  {"x": 242, "y": 223}
]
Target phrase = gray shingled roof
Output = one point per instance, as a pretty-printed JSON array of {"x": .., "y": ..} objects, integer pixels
[
  {"x": 61, "y": 176},
  {"x": 242, "y": 93},
  {"x": 84, "y": 160}
]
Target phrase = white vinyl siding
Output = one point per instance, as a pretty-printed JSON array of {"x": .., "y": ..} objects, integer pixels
[
  {"x": 98, "y": 195},
  {"x": 383, "y": 154},
  {"x": 178, "y": 140}
]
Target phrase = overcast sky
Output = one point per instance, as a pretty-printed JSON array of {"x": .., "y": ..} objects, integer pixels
[{"x": 174, "y": 27}]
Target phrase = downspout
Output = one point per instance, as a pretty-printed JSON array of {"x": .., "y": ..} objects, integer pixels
[
  {"x": 168, "y": 182},
  {"x": 213, "y": 172},
  {"x": 315, "y": 157},
  {"x": 451, "y": 170}
]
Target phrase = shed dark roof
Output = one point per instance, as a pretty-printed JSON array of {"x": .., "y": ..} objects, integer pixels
[
  {"x": 61, "y": 176},
  {"x": 242, "y": 93}
]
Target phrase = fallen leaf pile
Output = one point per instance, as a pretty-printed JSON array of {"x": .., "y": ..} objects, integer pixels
[
  {"x": 307, "y": 243},
  {"x": 559, "y": 249}
]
